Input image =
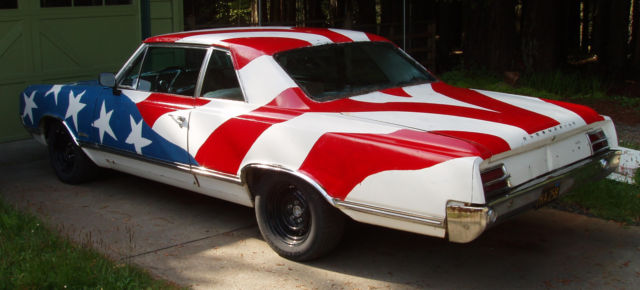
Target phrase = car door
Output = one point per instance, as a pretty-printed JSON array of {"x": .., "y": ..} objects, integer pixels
[
  {"x": 220, "y": 129},
  {"x": 147, "y": 117}
]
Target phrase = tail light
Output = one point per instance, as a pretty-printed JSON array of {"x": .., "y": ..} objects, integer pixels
[
  {"x": 599, "y": 142},
  {"x": 495, "y": 181}
]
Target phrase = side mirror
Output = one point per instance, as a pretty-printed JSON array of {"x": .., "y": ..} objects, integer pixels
[{"x": 109, "y": 80}]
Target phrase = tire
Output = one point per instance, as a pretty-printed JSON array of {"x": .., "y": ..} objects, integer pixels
[
  {"x": 295, "y": 220},
  {"x": 68, "y": 161}
]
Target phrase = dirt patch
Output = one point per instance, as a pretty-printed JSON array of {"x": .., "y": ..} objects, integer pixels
[{"x": 626, "y": 117}]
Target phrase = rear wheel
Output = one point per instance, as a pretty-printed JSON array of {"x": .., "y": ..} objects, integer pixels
[
  {"x": 69, "y": 162},
  {"x": 295, "y": 220}
]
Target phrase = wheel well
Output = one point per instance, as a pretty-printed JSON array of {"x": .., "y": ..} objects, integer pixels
[
  {"x": 252, "y": 176},
  {"x": 45, "y": 123}
]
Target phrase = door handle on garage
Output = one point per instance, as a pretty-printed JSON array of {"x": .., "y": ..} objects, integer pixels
[{"x": 181, "y": 120}]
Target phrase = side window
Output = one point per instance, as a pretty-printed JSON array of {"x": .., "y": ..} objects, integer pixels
[
  {"x": 131, "y": 73},
  {"x": 220, "y": 80},
  {"x": 171, "y": 70}
]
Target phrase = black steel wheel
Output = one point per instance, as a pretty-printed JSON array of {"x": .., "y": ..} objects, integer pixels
[
  {"x": 295, "y": 220},
  {"x": 69, "y": 163}
]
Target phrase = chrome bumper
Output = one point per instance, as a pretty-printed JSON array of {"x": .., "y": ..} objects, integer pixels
[{"x": 465, "y": 222}]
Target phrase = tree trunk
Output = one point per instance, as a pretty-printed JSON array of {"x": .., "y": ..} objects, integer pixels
[
  {"x": 610, "y": 32},
  {"x": 289, "y": 12},
  {"x": 491, "y": 39},
  {"x": 449, "y": 30},
  {"x": 265, "y": 15},
  {"x": 313, "y": 13},
  {"x": 636, "y": 36},
  {"x": 336, "y": 13},
  {"x": 568, "y": 23},
  {"x": 544, "y": 34},
  {"x": 275, "y": 12},
  {"x": 365, "y": 19},
  {"x": 391, "y": 20}
]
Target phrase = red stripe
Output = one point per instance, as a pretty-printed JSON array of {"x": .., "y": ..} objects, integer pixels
[
  {"x": 340, "y": 161},
  {"x": 494, "y": 144},
  {"x": 331, "y": 35},
  {"x": 587, "y": 114},
  {"x": 247, "y": 49},
  {"x": 399, "y": 92},
  {"x": 501, "y": 112},
  {"x": 227, "y": 146},
  {"x": 508, "y": 114},
  {"x": 374, "y": 37},
  {"x": 157, "y": 105},
  {"x": 177, "y": 36}
]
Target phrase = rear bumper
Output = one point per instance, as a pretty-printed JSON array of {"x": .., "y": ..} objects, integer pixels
[{"x": 465, "y": 222}]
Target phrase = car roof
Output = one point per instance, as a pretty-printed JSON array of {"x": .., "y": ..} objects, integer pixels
[{"x": 265, "y": 39}]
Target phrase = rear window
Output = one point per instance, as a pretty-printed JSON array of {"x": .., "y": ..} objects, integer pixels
[{"x": 334, "y": 71}]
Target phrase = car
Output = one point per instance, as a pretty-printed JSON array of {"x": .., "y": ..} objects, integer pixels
[{"x": 314, "y": 126}]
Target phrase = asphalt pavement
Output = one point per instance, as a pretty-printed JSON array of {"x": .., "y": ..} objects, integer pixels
[{"x": 202, "y": 242}]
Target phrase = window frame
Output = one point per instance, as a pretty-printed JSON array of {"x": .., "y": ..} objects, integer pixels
[
  {"x": 142, "y": 51},
  {"x": 203, "y": 74}
]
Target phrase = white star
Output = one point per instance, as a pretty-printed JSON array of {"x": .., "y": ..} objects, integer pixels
[
  {"x": 54, "y": 90},
  {"x": 103, "y": 123},
  {"x": 29, "y": 105},
  {"x": 135, "y": 137},
  {"x": 74, "y": 107}
]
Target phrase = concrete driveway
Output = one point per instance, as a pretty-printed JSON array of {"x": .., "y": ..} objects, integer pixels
[{"x": 202, "y": 242}]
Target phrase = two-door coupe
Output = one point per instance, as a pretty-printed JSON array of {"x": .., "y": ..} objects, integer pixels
[{"x": 309, "y": 125}]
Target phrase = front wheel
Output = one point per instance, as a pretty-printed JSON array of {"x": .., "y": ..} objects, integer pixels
[
  {"x": 69, "y": 162},
  {"x": 295, "y": 220}
]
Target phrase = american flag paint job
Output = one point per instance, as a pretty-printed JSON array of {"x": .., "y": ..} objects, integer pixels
[{"x": 354, "y": 148}]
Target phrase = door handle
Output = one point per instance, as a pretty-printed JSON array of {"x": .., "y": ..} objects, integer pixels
[{"x": 181, "y": 120}]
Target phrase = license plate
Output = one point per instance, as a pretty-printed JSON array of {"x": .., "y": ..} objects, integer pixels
[{"x": 548, "y": 195}]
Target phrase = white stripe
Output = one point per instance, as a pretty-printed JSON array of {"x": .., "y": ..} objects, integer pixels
[
  {"x": 206, "y": 119},
  {"x": 437, "y": 122},
  {"x": 424, "y": 191},
  {"x": 219, "y": 38},
  {"x": 288, "y": 143},
  {"x": 353, "y": 35},
  {"x": 136, "y": 96},
  {"x": 167, "y": 127},
  {"x": 419, "y": 94},
  {"x": 263, "y": 80},
  {"x": 560, "y": 114}
]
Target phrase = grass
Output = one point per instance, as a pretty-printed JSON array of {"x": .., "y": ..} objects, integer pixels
[
  {"x": 32, "y": 256},
  {"x": 555, "y": 85},
  {"x": 605, "y": 199}
]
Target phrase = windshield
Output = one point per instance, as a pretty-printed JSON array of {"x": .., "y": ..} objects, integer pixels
[{"x": 334, "y": 71}]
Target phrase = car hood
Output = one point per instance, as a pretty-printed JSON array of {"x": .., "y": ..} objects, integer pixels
[{"x": 498, "y": 122}]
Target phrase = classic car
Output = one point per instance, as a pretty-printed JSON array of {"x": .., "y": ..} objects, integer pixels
[{"x": 310, "y": 126}]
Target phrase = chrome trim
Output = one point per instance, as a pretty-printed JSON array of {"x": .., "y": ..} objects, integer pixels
[
  {"x": 277, "y": 168},
  {"x": 597, "y": 141},
  {"x": 465, "y": 221},
  {"x": 133, "y": 56},
  {"x": 75, "y": 138},
  {"x": 389, "y": 213},
  {"x": 503, "y": 178},
  {"x": 202, "y": 171},
  {"x": 131, "y": 155},
  {"x": 526, "y": 195},
  {"x": 203, "y": 71}
]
